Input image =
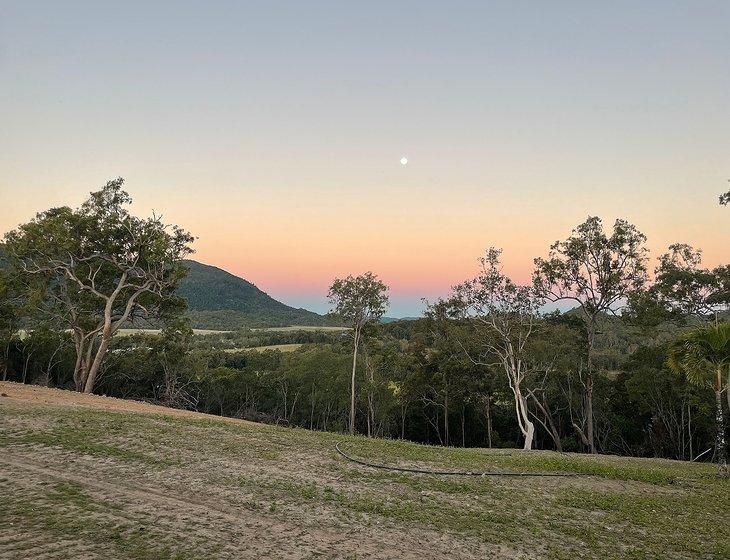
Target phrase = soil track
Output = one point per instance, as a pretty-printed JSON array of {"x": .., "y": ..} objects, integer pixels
[
  {"x": 190, "y": 504},
  {"x": 91, "y": 477},
  {"x": 254, "y": 536},
  {"x": 34, "y": 394}
]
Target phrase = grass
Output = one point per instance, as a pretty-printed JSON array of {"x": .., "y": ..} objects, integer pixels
[
  {"x": 300, "y": 328},
  {"x": 128, "y": 332},
  {"x": 618, "y": 508},
  {"x": 83, "y": 433},
  {"x": 280, "y": 347},
  {"x": 66, "y": 509},
  {"x": 83, "y": 443}
]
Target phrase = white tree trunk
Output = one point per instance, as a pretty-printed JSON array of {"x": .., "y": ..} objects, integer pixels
[
  {"x": 96, "y": 364},
  {"x": 352, "y": 384},
  {"x": 526, "y": 426}
]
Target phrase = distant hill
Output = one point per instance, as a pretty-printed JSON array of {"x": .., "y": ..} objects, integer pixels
[{"x": 219, "y": 300}]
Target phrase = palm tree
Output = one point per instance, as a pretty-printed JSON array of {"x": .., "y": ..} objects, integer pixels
[{"x": 703, "y": 355}]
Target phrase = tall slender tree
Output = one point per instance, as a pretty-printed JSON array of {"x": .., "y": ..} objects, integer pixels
[
  {"x": 597, "y": 272},
  {"x": 703, "y": 355},
  {"x": 358, "y": 300},
  {"x": 502, "y": 315}
]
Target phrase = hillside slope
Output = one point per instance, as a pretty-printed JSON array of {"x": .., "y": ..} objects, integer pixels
[
  {"x": 84, "y": 476},
  {"x": 219, "y": 300}
]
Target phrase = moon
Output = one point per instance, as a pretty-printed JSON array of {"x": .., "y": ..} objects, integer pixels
[{"x": 404, "y": 160}]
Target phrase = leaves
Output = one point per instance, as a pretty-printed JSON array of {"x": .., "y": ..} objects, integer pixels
[
  {"x": 725, "y": 198},
  {"x": 100, "y": 254},
  {"x": 359, "y": 299},
  {"x": 700, "y": 353},
  {"x": 595, "y": 270},
  {"x": 92, "y": 269},
  {"x": 682, "y": 288}
]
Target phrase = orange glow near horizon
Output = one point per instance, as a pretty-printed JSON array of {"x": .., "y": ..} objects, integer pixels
[
  {"x": 293, "y": 246},
  {"x": 417, "y": 253},
  {"x": 274, "y": 132}
]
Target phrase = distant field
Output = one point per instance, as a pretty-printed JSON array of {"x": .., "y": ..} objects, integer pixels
[
  {"x": 280, "y": 347},
  {"x": 127, "y": 332},
  {"x": 300, "y": 328},
  {"x": 124, "y": 332},
  {"x": 83, "y": 476}
]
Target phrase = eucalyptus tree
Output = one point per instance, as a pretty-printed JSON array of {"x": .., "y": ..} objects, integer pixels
[
  {"x": 703, "y": 355},
  {"x": 94, "y": 268},
  {"x": 683, "y": 289},
  {"x": 358, "y": 300},
  {"x": 598, "y": 272},
  {"x": 502, "y": 318}
]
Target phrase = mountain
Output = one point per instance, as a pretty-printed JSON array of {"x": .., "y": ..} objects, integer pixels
[{"x": 219, "y": 300}]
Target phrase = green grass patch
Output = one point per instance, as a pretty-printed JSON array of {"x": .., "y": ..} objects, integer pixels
[
  {"x": 625, "y": 508},
  {"x": 66, "y": 511}
]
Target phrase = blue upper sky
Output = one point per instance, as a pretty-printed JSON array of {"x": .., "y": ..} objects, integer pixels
[{"x": 273, "y": 130}]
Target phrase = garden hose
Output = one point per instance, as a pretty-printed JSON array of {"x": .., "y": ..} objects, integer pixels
[{"x": 449, "y": 473}]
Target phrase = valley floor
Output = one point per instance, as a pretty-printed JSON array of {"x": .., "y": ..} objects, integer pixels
[{"x": 87, "y": 477}]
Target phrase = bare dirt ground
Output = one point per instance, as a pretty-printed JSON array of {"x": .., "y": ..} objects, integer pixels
[
  {"x": 85, "y": 476},
  {"x": 36, "y": 395}
]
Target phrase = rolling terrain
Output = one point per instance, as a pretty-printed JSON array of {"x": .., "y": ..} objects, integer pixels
[
  {"x": 85, "y": 476},
  {"x": 219, "y": 300}
]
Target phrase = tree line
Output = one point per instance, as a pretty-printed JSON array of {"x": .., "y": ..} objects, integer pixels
[{"x": 638, "y": 365}]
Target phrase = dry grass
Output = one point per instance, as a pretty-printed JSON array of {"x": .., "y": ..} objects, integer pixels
[
  {"x": 280, "y": 347},
  {"x": 91, "y": 477},
  {"x": 301, "y": 328},
  {"x": 127, "y": 332}
]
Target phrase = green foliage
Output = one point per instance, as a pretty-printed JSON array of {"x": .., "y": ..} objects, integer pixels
[
  {"x": 13, "y": 305},
  {"x": 682, "y": 289},
  {"x": 702, "y": 353},
  {"x": 499, "y": 317},
  {"x": 85, "y": 255},
  {"x": 358, "y": 299},
  {"x": 94, "y": 268},
  {"x": 430, "y": 380},
  {"x": 598, "y": 272},
  {"x": 418, "y": 375},
  {"x": 217, "y": 299},
  {"x": 593, "y": 269}
]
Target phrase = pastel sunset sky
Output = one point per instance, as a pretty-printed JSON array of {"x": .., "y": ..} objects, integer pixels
[{"x": 273, "y": 130}]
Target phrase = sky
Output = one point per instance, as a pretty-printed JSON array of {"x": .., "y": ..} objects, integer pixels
[{"x": 273, "y": 131}]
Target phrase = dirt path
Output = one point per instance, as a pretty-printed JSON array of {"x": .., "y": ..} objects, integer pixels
[
  {"x": 89, "y": 477},
  {"x": 44, "y": 395},
  {"x": 80, "y": 501},
  {"x": 264, "y": 537}
]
